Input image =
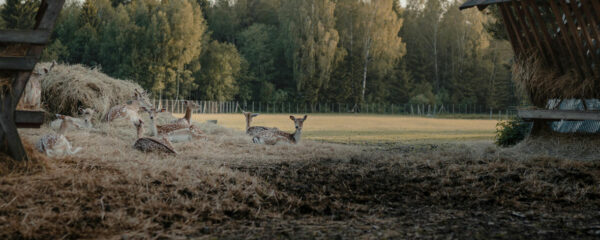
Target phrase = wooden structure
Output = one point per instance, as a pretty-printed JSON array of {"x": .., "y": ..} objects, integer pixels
[
  {"x": 18, "y": 69},
  {"x": 565, "y": 35}
]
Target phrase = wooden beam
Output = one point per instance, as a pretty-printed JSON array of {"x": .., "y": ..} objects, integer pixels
[
  {"x": 24, "y": 36},
  {"x": 558, "y": 115},
  {"x": 588, "y": 37},
  {"x": 18, "y": 63},
  {"x": 29, "y": 119},
  {"x": 576, "y": 39},
  {"x": 524, "y": 29},
  {"x": 566, "y": 41},
  {"x": 512, "y": 31},
  {"x": 538, "y": 39},
  {"x": 546, "y": 36},
  {"x": 10, "y": 135}
]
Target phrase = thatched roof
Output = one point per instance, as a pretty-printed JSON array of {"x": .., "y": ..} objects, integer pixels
[{"x": 481, "y": 4}]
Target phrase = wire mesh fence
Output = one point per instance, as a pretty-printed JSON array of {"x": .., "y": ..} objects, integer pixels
[{"x": 425, "y": 110}]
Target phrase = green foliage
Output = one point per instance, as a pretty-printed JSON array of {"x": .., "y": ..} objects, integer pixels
[
  {"x": 221, "y": 65},
  {"x": 345, "y": 51},
  {"x": 511, "y": 132},
  {"x": 18, "y": 14}
]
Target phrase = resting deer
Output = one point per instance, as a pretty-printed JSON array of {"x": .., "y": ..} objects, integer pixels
[
  {"x": 253, "y": 131},
  {"x": 274, "y": 136},
  {"x": 32, "y": 95},
  {"x": 57, "y": 144},
  {"x": 175, "y": 132},
  {"x": 85, "y": 121},
  {"x": 129, "y": 110},
  {"x": 187, "y": 118},
  {"x": 150, "y": 144}
]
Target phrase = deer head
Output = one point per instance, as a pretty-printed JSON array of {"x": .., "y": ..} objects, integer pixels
[{"x": 298, "y": 122}]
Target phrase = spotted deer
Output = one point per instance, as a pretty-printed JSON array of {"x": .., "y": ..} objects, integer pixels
[
  {"x": 32, "y": 94},
  {"x": 175, "y": 132},
  {"x": 130, "y": 109},
  {"x": 255, "y": 130},
  {"x": 190, "y": 106},
  {"x": 274, "y": 136},
  {"x": 150, "y": 144},
  {"x": 57, "y": 144},
  {"x": 82, "y": 122}
]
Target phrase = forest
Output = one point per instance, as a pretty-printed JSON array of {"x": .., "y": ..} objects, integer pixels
[{"x": 310, "y": 51}]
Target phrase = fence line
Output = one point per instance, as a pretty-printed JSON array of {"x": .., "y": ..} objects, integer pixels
[{"x": 177, "y": 107}]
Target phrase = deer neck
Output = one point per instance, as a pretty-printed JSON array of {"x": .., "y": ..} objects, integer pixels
[
  {"x": 297, "y": 135},
  {"x": 153, "y": 128},
  {"x": 248, "y": 120},
  {"x": 188, "y": 114},
  {"x": 140, "y": 131},
  {"x": 63, "y": 127}
]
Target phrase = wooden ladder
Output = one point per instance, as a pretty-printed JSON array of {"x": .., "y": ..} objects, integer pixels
[{"x": 20, "y": 69}]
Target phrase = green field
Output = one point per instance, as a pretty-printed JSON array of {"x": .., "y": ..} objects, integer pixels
[{"x": 350, "y": 128}]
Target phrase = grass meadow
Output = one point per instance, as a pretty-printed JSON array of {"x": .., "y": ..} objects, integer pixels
[{"x": 367, "y": 129}]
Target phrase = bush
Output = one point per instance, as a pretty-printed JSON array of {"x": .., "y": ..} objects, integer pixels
[{"x": 511, "y": 132}]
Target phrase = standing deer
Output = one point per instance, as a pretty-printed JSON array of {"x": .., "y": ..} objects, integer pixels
[
  {"x": 32, "y": 94},
  {"x": 57, "y": 144},
  {"x": 85, "y": 121},
  {"x": 253, "y": 131},
  {"x": 150, "y": 144},
  {"x": 187, "y": 118},
  {"x": 274, "y": 136},
  {"x": 129, "y": 110},
  {"x": 175, "y": 132}
]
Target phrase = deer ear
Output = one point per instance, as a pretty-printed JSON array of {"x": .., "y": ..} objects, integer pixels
[
  {"x": 45, "y": 70},
  {"x": 60, "y": 116},
  {"x": 293, "y": 118},
  {"x": 304, "y": 117}
]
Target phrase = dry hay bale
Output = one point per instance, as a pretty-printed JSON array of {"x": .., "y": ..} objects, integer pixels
[
  {"x": 542, "y": 83},
  {"x": 37, "y": 161},
  {"x": 68, "y": 87}
]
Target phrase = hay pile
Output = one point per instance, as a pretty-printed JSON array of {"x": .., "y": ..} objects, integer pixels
[
  {"x": 542, "y": 83},
  {"x": 68, "y": 87}
]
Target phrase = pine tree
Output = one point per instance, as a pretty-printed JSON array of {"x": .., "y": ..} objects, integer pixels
[{"x": 18, "y": 14}]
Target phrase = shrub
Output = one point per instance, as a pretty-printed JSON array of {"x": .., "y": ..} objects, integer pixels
[{"x": 511, "y": 132}]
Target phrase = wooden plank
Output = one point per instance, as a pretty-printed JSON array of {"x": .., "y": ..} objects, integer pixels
[
  {"x": 558, "y": 115},
  {"x": 538, "y": 39},
  {"x": 592, "y": 20},
  {"x": 18, "y": 63},
  {"x": 29, "y": 119},
  {"x": 566, "y": 41},
  {"x": 576, "y": 39},
  {"x": 546, "y": 36},
  {"x": 25, "y": 36},
  {"x": 512, "y": 32}
]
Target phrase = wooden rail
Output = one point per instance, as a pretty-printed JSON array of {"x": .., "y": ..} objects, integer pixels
[{"x": 572, "y": 115}]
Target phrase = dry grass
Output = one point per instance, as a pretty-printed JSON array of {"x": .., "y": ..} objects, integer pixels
[
  {"x": 541, "y": 83},
  {"x": 227, "y": 187},
  {"x": 67, "y": 87},
  {"x": 350, "y": 128}
]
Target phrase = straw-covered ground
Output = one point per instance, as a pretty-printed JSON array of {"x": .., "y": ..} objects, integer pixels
[{"x": 227, "y": 187}]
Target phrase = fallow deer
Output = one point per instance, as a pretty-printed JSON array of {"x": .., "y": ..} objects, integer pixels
[
  {"x": 83, "y": 122},
  {"x": 150, "y": 144},
  {"x": 32, "y": 94},
  {"x": 57, "y": 144},
  {"x": 255, "y": 130},
  {"x": 174, "y": 132},
  {"x": 187, "y": 118},
  {"x": 274, "y": 136},
  {"x": 129, "y": 110}
]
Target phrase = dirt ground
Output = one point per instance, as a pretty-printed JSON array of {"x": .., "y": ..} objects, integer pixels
[{"x": 226, "y": 187}]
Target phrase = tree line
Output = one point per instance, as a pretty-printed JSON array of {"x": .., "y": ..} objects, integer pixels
[{"x": 310, "y": 51}]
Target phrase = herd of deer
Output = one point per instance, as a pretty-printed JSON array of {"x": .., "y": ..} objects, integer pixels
[{"x": 162, "y": 136}]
